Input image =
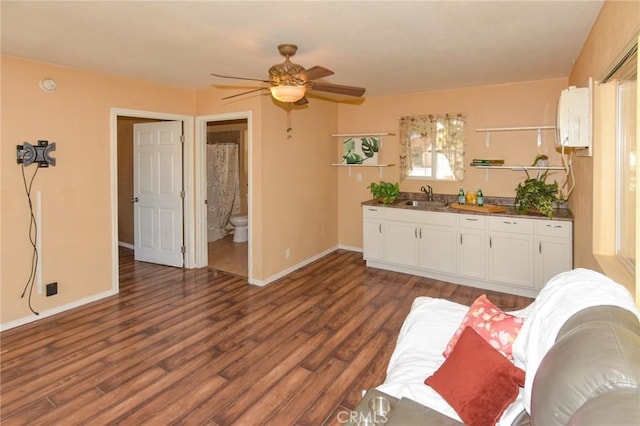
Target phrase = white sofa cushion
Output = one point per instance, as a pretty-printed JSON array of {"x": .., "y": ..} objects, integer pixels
[{"x": 418, "y": 354}]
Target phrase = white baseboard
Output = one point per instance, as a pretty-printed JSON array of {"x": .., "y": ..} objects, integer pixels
[
  {"x": 125, "y": 245},
  {"x": 56, "y": 310},
  {"x": 262, "y": 283},
  {"x": 350, "y": 248}
]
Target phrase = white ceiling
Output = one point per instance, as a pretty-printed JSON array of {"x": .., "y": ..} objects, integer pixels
[{"x": 388, "y": 47}]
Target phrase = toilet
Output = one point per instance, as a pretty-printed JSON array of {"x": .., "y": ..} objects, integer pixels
[{"x": 241, "y": 228}]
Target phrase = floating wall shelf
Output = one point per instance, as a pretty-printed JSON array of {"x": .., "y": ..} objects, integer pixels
[
  {"x": 520, "y": 168},
  {"x": 352, "y": 135},
  {"x": 379, "y": 166},
  {"x": 377, "y": 135},
  {"x": 517, "y": 168},
  {"x": 539, "y": 129}
]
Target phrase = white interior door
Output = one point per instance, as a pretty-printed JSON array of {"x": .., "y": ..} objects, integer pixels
[{"x": 157, "y": 193}]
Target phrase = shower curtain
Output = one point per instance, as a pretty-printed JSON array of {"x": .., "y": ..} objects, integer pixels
[{"x": 223, "y": 188}]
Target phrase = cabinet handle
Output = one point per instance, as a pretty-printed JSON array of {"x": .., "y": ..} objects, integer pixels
[
  {"x": 373, "y": 210},
  {"x": 471, "y": 220},
  {"x": 539, "y": 247},
  {"x": 490, "y": 244},
  {"x": 553, "y": 226},
  {"x": 380, "y": 228},
  {"x": 420, "y": 233},
  {"x": 508, "y": 222},
  {"x": 460, "y": 238},
  {"x": 415, "y": 232}
]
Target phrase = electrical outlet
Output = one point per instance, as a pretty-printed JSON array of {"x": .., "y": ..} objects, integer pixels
[{"x": 52, "y": 289}]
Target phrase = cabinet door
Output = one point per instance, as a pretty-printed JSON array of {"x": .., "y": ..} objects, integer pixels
[
  {"x": 553, "y": 256},
  {"x": 511, "y": 259},
  {"x": 472, "y": 246},
  {"x": 472, "y": 250},
  {"x": 401, "y": 243},
  {"x": 372, "y": 239},
  {"x": 554, "y": 249},
  {"x": 438, "y": 248}
]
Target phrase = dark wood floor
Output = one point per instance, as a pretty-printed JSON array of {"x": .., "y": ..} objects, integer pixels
[{"x": 201, "y": 347}]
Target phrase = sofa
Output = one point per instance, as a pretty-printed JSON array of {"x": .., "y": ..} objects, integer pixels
[{"x": 573, "y": 358}]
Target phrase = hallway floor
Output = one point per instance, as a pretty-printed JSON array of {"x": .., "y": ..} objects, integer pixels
[{"x": 227, "y": 256}]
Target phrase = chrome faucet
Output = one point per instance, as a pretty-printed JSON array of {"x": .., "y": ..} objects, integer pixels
[{"x": 428, "y": 191}]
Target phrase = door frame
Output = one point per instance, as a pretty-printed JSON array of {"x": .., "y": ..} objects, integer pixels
[
  {"x": 187, "y": 179},
  {"x": 200, "y": 173}
]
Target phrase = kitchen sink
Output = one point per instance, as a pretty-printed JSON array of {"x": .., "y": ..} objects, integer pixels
[{"x": 426, "y": 204}]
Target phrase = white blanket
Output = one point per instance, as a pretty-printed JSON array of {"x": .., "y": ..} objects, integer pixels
[
  {"x": 563, "y": 296},
  {"x": 418, "y": 354}
]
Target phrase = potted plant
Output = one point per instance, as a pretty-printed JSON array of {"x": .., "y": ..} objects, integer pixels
[
  {"x": 385, "y": 192},
  {"x": 537, "y": 195}
]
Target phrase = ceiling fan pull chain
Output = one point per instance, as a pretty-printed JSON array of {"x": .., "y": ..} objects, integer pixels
[{"x": 289, "y": 129}]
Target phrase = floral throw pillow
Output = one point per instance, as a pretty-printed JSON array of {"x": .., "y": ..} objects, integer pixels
[{"x": 494, "y": 325}]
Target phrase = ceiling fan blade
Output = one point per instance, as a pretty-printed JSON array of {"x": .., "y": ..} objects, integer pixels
[
  {"x": 239, "y": 78},
  {"x": 337, "y": 88},
  {"x": 314, "y": 73},
  {"x": 301, "y": 101},
  {"x": 244, "y": 93}
]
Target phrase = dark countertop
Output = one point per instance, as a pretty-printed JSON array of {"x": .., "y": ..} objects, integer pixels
[{"x": 562, "y": 213}]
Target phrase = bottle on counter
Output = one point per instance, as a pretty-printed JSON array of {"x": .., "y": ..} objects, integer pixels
[
  {"x": 461, "y": 197},
  {"x": 480, "y": 198}
]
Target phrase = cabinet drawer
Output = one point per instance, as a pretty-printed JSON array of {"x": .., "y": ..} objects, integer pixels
[
  {"x": 554, "y": 228},
  {"x": 422, "y": 217},
  {"x": 511, "y": 224},
  {"x": 371, "y": 211},
  {"x": 472, "y": 221}
]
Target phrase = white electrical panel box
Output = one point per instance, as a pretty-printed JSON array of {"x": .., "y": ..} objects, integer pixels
[{"x": 574, "y": 118}]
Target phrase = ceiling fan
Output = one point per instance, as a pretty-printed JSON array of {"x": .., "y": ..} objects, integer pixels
[{"x": 289, "y": 82}]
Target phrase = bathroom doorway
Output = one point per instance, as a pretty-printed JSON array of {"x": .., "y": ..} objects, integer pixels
[{"x": 227, "y": 187}]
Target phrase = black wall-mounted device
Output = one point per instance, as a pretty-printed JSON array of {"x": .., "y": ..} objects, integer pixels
[{"x": 39, "y": 154}]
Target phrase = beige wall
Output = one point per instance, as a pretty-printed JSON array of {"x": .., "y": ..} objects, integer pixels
[
  {"x": 617, "y": 25},
  {"x": 507, "y": 105},
  {"x": 299, "y": 186},
  {"x": 76, "y": 217}
]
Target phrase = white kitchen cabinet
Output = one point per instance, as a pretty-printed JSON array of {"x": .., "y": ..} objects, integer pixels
[
  {"x": 553, "y": 246},
  {"x": 497, "y": 252},
  {"x": 401, "y": 243},
  {"x": 511, "y": 251},
  {"x": 472, "y": 246},
  {"x": 372, "y": 233},
  {"x": 421, "y": 239},
  {"x": 437, "y": 247}
]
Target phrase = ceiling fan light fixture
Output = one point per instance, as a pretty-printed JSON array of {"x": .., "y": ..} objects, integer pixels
[{"x": 288, "y": 93}]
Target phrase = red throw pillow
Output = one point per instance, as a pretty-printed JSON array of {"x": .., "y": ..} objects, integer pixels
[
  {"x": 476, "y": 380},
  {"x": 495, "y": 326}
]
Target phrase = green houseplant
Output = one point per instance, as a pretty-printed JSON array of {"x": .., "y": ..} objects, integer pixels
[
  {"x": 535, "y": 194},
  {"x": 386, "y": 192}
]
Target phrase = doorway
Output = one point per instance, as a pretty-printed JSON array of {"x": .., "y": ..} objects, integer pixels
[
  {"x": 120, "y": 197},
  {"x": 227, "y": 193},
  {"x": 224, "y": 140}
]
